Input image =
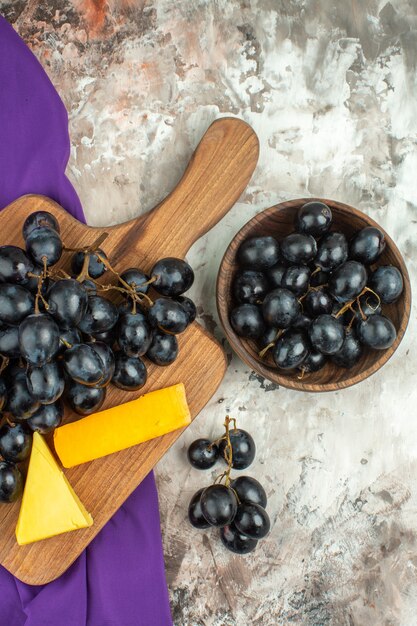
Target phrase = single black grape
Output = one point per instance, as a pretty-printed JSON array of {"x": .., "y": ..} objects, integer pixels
[
  {"x": 333, "y": 250},
  {"x": 318, "y": 301},
  {"x": 218, "y": 505},
  {"x": 243, "y": 448},
  {"x": 134, "y": 334},
  {"x": 130, "y": 372},
  {"x": 252, "y": 520},
  {"x": 14, "y": 265},
  {"x": 234, "y": 541},
  {"x": 163, "y": 349},
  {"x": 195, "y": 514},
  {"x": 189, "y": 307},
  {"x": 135, "y": 278},
  {"x": 326, "y": 334},
  {"x": 377, "y": 332},
  {"x": 38, "y": 338},
  {"x": 258, "y": 253},
  {"x": 16, "y": 303},
  {"x": 247, "y": 321},
  {"x": 248, "y": 489},
  {"x": 298, "y": 248},
  {"x": 39, "y": 219},
  {"x": 313, "y": 362},
  {"x": 387, "y": 282},
  {"x": 9, "y": 341},
  {"x": 314, "y": 218},
  {"x": 96, "y": 267},
  {"x": 67, "y": 300},
  {"x": 202, "y": 454},
  {"x": 250, "y": 286},
  {"x": 83, "y": 364},
  {"x": 11, "y": 482},
  {"x": 172, "y": 276},
  {"x": 44, "y": 244},
  {"x": 275, "y": 275},
  {"x": 106, "y": 355},
  {"x": 367, "y": 245},
  {"x": 168, "y": 315},
  {"x": 296, "y": 279},
  {"x": 20, "y": 403},
  {"x": 15, "y": 443},
  {"x": 84, "y": 400},
  {"x": 290, "y": 350},
  {"x": 101, "y": 315},
  {"x": 47, "y": 417},
  {"x": 350, "y": 352},
  {"x": 46, "y": 383},
  {"x": 348, "y": 281},
  {"x": 280, "y": 308}
]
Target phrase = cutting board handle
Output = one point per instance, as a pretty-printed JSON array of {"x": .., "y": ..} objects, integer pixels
[{"x": 216, "y": 176}]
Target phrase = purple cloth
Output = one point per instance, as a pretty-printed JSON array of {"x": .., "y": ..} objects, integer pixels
[{"x": 120, "y": 579}]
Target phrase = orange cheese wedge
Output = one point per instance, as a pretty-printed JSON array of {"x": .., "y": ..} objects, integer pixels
[{"x": 123, "y": 426}]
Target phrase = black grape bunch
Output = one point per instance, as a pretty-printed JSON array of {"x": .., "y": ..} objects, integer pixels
[
  {"x": 235, "y": 506},
  {"x": 315, "y": 296},
  {"x": 62, "y": 340}
]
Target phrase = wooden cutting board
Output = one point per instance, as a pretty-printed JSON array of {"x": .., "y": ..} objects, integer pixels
[{"x": 216, "y": 176}]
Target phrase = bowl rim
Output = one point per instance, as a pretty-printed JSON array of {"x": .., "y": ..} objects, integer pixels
[{"x": 273, "y": 374}]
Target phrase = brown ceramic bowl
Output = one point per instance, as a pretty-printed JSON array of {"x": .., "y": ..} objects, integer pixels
[{"x": 279, "y": 222}]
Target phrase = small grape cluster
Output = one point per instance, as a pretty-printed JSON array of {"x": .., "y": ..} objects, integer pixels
[
  {"x": 315, "y": 295},
  {"x": 237, "y": 507},
  {"x": 60, "y": 337}
]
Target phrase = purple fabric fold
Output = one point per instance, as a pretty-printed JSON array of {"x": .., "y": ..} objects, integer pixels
[{"x": 120, "y": 578}]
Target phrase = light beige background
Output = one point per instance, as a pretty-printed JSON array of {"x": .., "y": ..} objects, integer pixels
[{"x": 330, "y": 88}]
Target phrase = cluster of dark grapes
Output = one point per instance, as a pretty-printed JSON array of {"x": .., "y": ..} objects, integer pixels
[
  {"x": 315, "y": 295},
  {"x": 61, "y": 338},
  {"x": 236, "y": 507}
]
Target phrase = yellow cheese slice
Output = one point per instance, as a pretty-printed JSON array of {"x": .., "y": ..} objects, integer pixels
[
  {"x": 123, "y": 426},
  {"x": 49, "y": 505}
]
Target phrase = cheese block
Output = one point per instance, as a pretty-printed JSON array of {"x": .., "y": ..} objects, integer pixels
[
  {"x": 49, "y": 505},
  {"x": 123, "y": 426}
]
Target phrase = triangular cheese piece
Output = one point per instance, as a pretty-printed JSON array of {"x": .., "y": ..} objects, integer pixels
[{"x": 49, "y": 506}]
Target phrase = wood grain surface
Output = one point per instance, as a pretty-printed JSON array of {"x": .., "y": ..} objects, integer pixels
[
  {"x": 279, "y": 222},
  {"x": 217, "y": 174}
]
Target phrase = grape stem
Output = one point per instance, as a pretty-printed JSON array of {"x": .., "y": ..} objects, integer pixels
[
  {"x": 42, "y": 276},
  {"x": 228, "y": 451},
  {"x": 349, "y": 305},
  {"x": 310, "y": 289},
  {"x": 129, "y": 289},
  {"x": 302, "y": 374},
  {"x": 126, "y": 288},
  {"x": 4, "y": 363},
  {"x": 262, "y": 353}
]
